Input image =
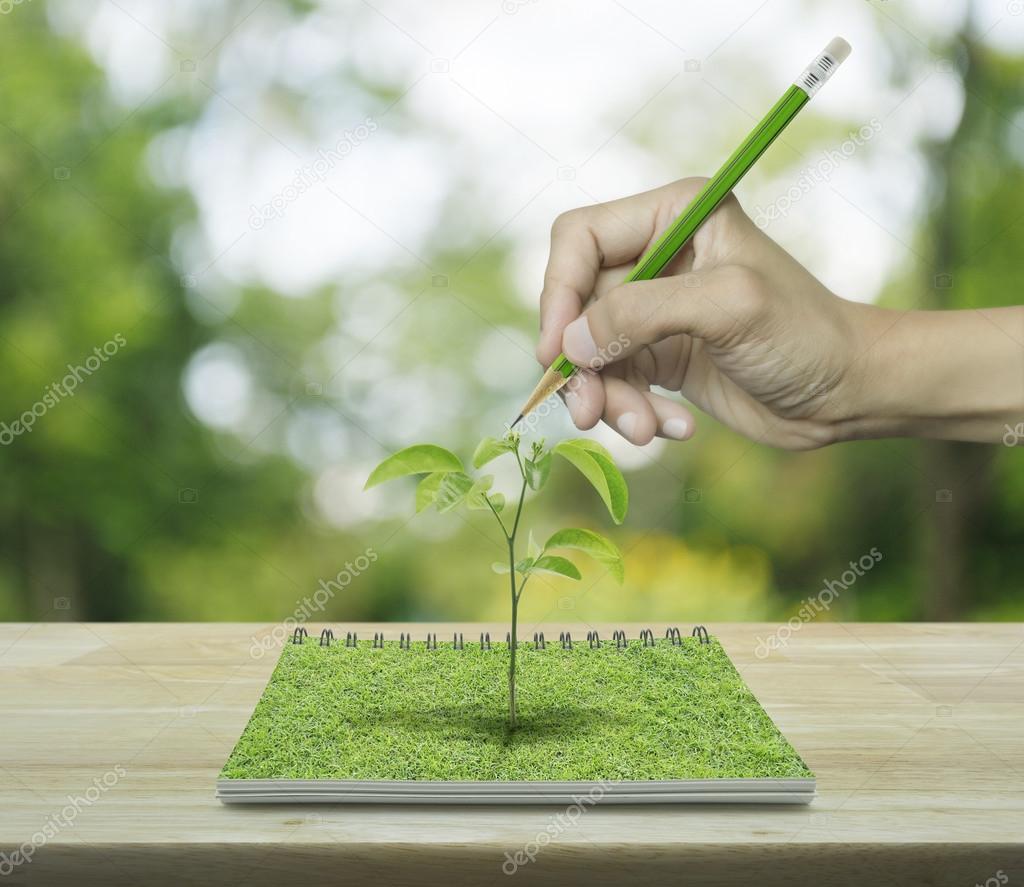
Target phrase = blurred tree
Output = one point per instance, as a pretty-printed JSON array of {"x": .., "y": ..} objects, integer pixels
[{"x": 110, "y": 463}]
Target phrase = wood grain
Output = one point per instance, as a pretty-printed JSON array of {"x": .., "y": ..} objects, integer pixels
[{"x": 915, "y": 732}]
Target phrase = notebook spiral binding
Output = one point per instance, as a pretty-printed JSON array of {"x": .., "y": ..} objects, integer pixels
[{"x": 646, "y": 638}]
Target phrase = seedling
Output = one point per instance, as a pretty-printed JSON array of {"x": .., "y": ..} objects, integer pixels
[{"x": 447, "y": 486}]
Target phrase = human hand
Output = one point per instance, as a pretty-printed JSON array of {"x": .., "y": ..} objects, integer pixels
[{"x": 735, "y": 324}]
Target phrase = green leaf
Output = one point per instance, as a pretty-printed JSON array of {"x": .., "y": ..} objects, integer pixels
[
  {"x": 490, "y": 448},
  {"x": 427, "y": 489},
  {"x": 532, "y": 548},
  {"x": 455, "y": 486},
  {"x": 498, "y": 501},
  {"x": 525, "y": 565},
  {"x": 476, "y": 498},
  {"x": 537, "y": 471},
  {"x": 499, "y": 567},
  {"x": 552, "y": 563},
  {"x": 595, "y": 463},
  {"x": 419, "y": 459},
  {"x": 600, "y": 549}
]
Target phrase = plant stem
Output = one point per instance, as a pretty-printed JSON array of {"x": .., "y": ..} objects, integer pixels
[
  {"x": 512, "y": 636},
  {"x": 513, "y": 642}
]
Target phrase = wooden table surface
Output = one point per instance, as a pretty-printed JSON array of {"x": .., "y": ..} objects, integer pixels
[{"x": 113, "y": 734}]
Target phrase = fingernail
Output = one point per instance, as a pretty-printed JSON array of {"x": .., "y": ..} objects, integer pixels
[
  {"x": 578, "y": 343},
  {"x": 678, "y": 429},
  {"x": 627, "y": 424}
]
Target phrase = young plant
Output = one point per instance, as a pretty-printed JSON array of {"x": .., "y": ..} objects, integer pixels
[{"x": 447, "y": 485}]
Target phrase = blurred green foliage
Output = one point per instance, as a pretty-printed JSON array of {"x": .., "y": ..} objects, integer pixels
[{"x": 120, "y": 504}]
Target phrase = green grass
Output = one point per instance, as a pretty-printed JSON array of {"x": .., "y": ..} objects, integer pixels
[{"x": 642, "y": 713}]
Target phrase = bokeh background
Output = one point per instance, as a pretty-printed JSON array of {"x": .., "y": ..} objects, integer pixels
[{"x": 212, "y": 466}]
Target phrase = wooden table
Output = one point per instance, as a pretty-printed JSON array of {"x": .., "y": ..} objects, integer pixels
[{"x": 915, "y": 732}]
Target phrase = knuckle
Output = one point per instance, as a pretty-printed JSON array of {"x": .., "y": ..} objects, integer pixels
[
  {"x": 568, "y": 220},
  {"x": 748, "y": 291}
]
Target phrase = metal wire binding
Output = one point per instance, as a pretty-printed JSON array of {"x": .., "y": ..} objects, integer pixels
[
  {"x": 619, "y": 636},
  {"x": 457, "y": 641},
  {"x": 299, "y": 634},
  {"x": 326, "y": 636},
  {"x": 404, "y": 641},
  {"x": 647, "y": 636},
  {"x": 508, "y": 640},
  {"x": 593, "y": 639},
  {"x": 351, "y": 639},
  {"x": 485, "y": 640},
  {"x": 378, "y": 640},
  {"x": 673, "y": 635},
  {"x": 699, "y": 631},
  {"x": 565, "y": 639},
  {"x": 431, "y": 640},
  {"x": 538, "y": 641}
]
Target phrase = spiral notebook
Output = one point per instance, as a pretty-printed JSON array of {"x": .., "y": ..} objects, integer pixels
[{"x": 606, "y": 720}]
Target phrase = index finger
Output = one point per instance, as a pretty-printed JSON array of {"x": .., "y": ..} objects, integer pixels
[{"x": 583, "y": 241}]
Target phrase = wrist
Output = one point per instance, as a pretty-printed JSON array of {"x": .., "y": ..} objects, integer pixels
[{"x": 952, "y": 375}]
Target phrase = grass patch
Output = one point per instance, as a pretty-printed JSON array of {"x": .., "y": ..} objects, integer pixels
[{"x": 643, "y": 713}]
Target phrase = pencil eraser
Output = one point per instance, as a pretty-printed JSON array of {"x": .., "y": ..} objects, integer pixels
[
  {"x": 838, "y": 50},
  {"x": 824, "y": 66}
]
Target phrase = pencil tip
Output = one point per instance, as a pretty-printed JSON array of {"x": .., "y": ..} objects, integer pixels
[{"x": 519, "y": 419}]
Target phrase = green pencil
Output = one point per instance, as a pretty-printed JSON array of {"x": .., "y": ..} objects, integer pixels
[{"x": 653, "y": 262}]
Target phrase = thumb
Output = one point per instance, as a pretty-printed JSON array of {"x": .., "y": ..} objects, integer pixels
[{"x": 705, "y": 305}]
